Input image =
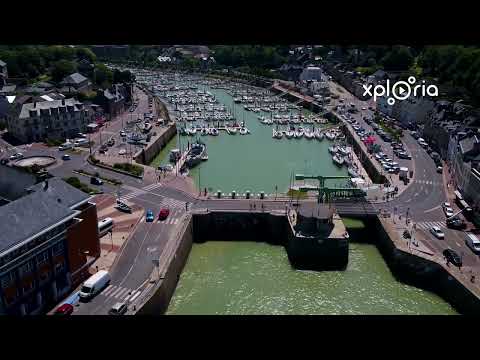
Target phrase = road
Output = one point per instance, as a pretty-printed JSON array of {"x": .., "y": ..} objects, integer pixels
[{"x": 422, "y": 199}]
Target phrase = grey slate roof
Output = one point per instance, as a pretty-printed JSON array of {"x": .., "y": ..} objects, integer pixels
[
  {"x": 467, "y": 144},
  {"x": 46, "y": 105},
  {"x": 57, "y": 188},
  {"x": 75, "y": 78},
  {"x": 28, "y": 216},
  {"x": 37, "y": 211}
]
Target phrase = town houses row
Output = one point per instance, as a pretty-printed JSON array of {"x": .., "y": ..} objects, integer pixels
[{"x": 45, "y": 111}]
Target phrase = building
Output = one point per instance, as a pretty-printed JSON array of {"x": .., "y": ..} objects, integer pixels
[
  {"x": 311, "y": 73},
  {"x": 113, "y": 99},
  {"x": 3, "y": 73},
  {"x": 48, "y": 239},
  {"x": 56, "y": 119},
  {"x": 464, "y": 160},
  {"x": 76, "y": 82}
]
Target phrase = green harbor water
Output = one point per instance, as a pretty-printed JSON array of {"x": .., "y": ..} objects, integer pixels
[
  {"x": 254, "y": 162},
  {"x": 256, "y": 278},
  {"x": 246, "y": 278}
]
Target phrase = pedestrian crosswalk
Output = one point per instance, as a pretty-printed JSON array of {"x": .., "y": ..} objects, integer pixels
[
  {"x": 137, "y": 192},
  {"x": 174, "y": 218},
  {"x": 426, "y": 225},
  {"x": 173, "y": 204},
  {"x": 120, "y": 293}
]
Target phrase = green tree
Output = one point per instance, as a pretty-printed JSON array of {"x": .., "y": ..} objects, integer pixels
[
  {"x": 399, "y": 58},
  {"x": 62, "y": 68},
  {"x": 103, "y": 76},
  {"x": 86, "y": 53}
]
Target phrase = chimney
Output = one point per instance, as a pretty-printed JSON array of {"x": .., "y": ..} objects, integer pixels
[
  {"x": 45, "y": 185},
  {"x": 34, "y": 104}
]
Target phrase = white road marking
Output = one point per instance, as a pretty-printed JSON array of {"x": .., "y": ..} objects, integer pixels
[
  {"x": 121, "y": 293},
  {"x": 117, "y": 290},
  {"x": 107, "y": 290},
  {"x": 136, "y": 295},
  {"x": 432, "y": 209}
]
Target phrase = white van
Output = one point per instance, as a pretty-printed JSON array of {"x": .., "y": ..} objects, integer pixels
[
  {"x": 473, "y": 243},
  {"x": 94, "y": 285},
  {"x": 65, "y": 146},
  {"x": 80, "y": 142}
]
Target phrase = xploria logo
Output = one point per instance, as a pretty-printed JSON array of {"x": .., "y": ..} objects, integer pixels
[{"x": 400, "y": 90}]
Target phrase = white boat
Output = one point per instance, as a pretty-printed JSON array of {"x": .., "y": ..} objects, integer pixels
[
  {"x": 352, "y": 172},
  {"x": 299, "y": 134},
  {"x": 343, "y": 150},
  {"x": 319, "y": 135},
  {"x": 232, "y": 131},
  {"x": 333, "y": 149},
  {"x": 244, "y": 131},
  {"x": 204, "y": 132},
  {"x": 309, "y": 135},
  {"x": 330, "y": 136},
  {"x": 289, "y": 134},
  {"x": 338, "y": 160},
  {"x": 214, "y": 132}
]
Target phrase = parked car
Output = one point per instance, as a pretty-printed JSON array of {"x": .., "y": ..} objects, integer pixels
[
  {"x": 96, "y": 181},
  {"x": 122, "y": 152},
  {"x": 94, "y": 285},
  {"x": 473, "y": 243},
  {"x": 447, "y": 209},
  {"x": 452, "y": 257},
  {"x": 163, "y": 214},
  {"x": 65, "y": 309},
  {"x": 66, "y": 146},
  {"x": 456, "y": 223},
  {"x": 123, "y": 133},
  {"x": 16, "y": 156},
  {"x": 149, "y": 217},
  {"x": 119, "y": 308},
  {"x": 404, "y": 155},
  {"x": 437, "y": 232},
  {"x": 66, "y": 157},
  {"x": 439, "y": 169}
]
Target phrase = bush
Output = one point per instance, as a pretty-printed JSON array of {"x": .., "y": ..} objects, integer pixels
[
  {"x": 75, "y": 182},
  {"x": 131, "y": 168},
  {"x": 53, "y": 142}
]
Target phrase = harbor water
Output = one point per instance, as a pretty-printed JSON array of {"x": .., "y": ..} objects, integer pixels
[
  {"x": 246, "y": 278},
  {"x": 256, "y": 278},
  {"x": 255, "y": 162}
]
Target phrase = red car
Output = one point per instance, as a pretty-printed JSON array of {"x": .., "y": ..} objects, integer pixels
[
  {"x": 163, "y": 214},
  {"x": 65, "y": 309}
]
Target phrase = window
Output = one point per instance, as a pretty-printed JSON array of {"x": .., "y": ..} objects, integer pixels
[
  {"x": 42, "y": 258},
  {"x": 26, "y": 268},
  {"x": 59, "y": 266},
  {"x": 7, "y": 280},
  {"x": 27, "y": 287},
  {"x": 58, "y": 248}
]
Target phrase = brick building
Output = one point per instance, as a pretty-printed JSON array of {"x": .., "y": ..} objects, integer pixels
[{"x": 48, "y": 239}]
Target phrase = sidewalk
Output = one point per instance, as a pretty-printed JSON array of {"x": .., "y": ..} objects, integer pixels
[{"x": 124, "y": 225}]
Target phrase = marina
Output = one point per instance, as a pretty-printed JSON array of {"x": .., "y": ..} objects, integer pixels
[{"x": 243, "y": 128}]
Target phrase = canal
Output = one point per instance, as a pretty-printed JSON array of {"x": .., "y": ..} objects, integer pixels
[{"x": 256, "y": 278}]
